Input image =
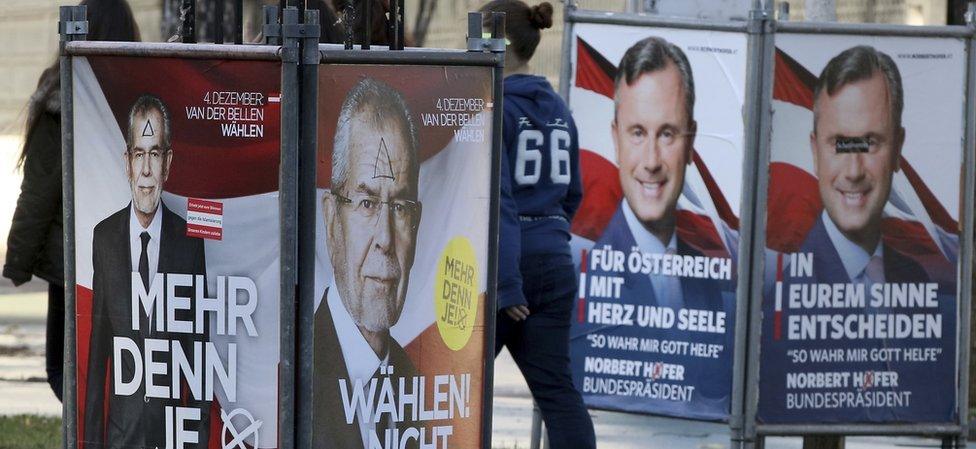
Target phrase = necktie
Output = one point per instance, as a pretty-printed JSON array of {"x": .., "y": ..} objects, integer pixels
[
  {"x": 145, "y": 321},
  {"x": 874, "y": 271},
  {"x": 667, "y": 288},
  {"x": 144, "y": 259}
]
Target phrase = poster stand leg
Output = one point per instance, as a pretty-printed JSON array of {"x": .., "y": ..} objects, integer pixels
[
  {"x": 535, "y": 441},
  {"x": 495, "y": 45},
  {"x": 289, "y": 203},
  {"x": 745, "y": 380},
  {"x": 966, "y": 271},
  {"x": 307, "y": 158},
  {"x": 823, "y": 442},
  {"x": 566, "y": 73},
  {"x": 73, "y": 26}
]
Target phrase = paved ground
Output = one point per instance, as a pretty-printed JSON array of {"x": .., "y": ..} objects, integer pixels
[
  {"x": 23, "y": 384},
  {"x": 23, "y": 390}
]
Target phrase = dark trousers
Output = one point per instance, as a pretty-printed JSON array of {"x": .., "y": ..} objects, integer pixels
[
  {"x": 54, "y": 346},
  {"x": 540, "y": 347}
]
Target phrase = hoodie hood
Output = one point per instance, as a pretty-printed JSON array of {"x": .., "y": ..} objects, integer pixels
[{"x": 532, "y": 93}]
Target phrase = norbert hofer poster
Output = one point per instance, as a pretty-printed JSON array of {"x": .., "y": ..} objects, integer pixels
[
  {"x": 661, "y": 126},
  {"x": 860, "y": 310}
]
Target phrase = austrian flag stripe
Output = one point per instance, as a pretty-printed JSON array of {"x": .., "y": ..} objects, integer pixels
[
  {"x": 204, "y": 219},
  {"x": 581, "y": 310},
  {"x": 778, "y": 310}
]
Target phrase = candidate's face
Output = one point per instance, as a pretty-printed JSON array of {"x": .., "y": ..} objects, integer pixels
[
  {"x": 854, "y": 185},
  {"x": 148, "y": 162},
  {"x": 372, "y": 222},
  {"x": 653, "y": 138}
]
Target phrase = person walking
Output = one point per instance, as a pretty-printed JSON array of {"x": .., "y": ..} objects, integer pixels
[
  {"x": 541, "y": 190},
  {"x": 35, "y": 245}
]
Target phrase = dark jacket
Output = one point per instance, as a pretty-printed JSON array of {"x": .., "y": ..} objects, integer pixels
[
  {"x": 328, "y": 417},
  {"x": 35, "y": 245}
]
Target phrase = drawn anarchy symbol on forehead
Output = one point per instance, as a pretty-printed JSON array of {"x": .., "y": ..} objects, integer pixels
[
  {"x": 382, "y": 165},
  {"x": 147, "y": 131}
]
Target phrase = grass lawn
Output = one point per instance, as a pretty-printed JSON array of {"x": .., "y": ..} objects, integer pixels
[
  {"x": 41, "y": 432},
  {"x": 30, "y": 432}
]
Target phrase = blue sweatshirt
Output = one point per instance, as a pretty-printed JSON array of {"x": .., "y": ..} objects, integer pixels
[{"x": 540, "y": 182}]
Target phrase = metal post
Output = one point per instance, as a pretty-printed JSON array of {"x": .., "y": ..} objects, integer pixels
[
  {"x": 288, "y": 210},
  {"x": 535, "y": 441},
  {"x": 784, "y": 12},
  {"x": 566, "y": 73},
  {"x": 348, "y": 19},
  {"x": 73, "y": 26},
  {"x": 307, "y": 207},
  {"x": 396, "y": 16},
  {"x": 474, "y": 28},
  {"x": 649, "y": 7},
  {"x": 392, "y": 24},
  {"x": 218, "y": 33},
  {"x": 272, "y": 29},
  {"x": 188, "y": 28},
  {"x": 539, "y": 438},
  {"x": 497, "y": 47},
  {"x": 367, "y": 24},
  {"x": 238, "y": 22},
  {"x": 745, "y": 395},
  {"x": 966, "y": 239},
  {"x": 402, "y": 28}
]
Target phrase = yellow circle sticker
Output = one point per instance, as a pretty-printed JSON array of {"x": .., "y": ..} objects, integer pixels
[{"x": 456, "y": 293}]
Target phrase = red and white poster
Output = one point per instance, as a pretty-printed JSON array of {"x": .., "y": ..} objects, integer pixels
[
  {"x": 404, "y": 187},
  {"x": 860, "y": 310},
  {"x": 177, "y": 252},
  {"x": 660, "y": 114}
]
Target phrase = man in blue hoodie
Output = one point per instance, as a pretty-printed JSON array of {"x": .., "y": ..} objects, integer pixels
[{"x": 541, "y": 191}]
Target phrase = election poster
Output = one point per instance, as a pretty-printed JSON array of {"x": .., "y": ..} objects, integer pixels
[
  {"x": 177, "y": 251},
  {"x": 402, "y": 241},
  {"x": 860, "y": 310},
  {"x": 660, "y": 114}
]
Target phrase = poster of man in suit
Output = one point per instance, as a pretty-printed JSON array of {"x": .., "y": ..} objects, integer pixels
[
  {"x": 147, "y": 238},
  {"x": 862, "y": 236},
  {"x": 401, "y": 257},
  {"x": 656, "y": 235},
  {"x": 177, "y": 254}
]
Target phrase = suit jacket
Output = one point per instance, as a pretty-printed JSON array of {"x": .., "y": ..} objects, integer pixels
[
  {"x": 135, "y": 421},
  {"x": 711, "y": 377},
  {"x": 931, "y": 398},
  {"x": 827, "y": 266},
  {"x": 329, "y": 365}
]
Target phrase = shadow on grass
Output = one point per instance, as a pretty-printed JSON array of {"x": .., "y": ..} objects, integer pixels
[{"x": 30, "y": 432}]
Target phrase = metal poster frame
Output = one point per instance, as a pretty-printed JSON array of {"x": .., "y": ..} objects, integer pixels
[
  {"x": 73, "y": 28},
  {"x": 953, "y": 434},
  {"x": 756, "y": 31},
  {"x": 482, "y": 52},
  {"x": 761, "y": 27}
]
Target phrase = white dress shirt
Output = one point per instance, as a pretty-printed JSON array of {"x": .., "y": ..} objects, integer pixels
[
  {"x": 135, "y": 242},
  {"x": 667, "y": 288},
  {"x": 361, "y": 360},
  {"x": 856, "y": 261}
]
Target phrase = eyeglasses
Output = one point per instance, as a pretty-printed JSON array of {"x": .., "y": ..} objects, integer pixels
[
  {"x": 154, "y": 154},
  {"x": 366, "y": 207}
]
